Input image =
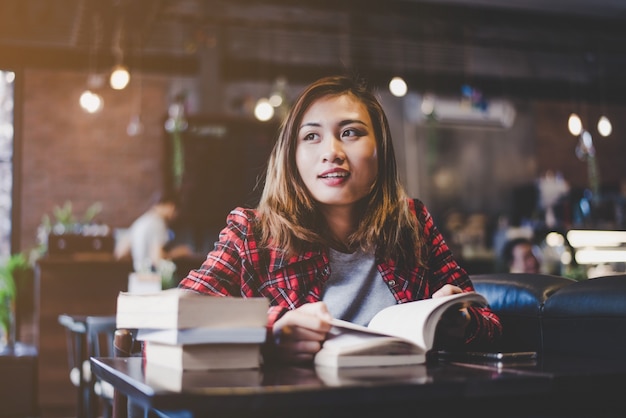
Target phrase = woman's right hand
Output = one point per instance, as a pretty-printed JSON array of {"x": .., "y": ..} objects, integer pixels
[{"x": 300, "y": 332}]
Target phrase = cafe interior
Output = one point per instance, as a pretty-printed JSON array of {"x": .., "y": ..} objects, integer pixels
[{"x": 507, "y": 117}]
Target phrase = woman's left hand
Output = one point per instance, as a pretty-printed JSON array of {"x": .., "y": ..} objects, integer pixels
[{"x": 453, "y": 322}]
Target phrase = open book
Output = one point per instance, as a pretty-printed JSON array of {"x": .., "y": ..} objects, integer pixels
[
  {"x": 399, "y": 334},
  {"x": 346, "y": 376}
]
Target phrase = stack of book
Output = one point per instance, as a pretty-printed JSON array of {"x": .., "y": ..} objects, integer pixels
[{"x": 182, "y": 330}]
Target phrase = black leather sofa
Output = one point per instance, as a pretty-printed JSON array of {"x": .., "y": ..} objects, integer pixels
[{"x": 553, "y": 314}]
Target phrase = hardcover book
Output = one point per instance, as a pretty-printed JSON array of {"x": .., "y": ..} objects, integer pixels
[
  {"x": 203, "y": 335},
  {"x": 178, "y": 308},
  {"x": 203, "y": 356}
]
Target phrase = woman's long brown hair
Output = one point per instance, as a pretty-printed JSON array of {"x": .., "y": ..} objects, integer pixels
[{"x": 289, "y": 217}]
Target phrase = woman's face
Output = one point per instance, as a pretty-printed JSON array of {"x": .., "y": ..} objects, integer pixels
[
  {"x": 524, "y": 260},
  {"x": 336, "y": 150}
]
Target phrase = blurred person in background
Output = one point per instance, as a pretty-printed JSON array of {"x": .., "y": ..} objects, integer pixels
[
  {"x": 148, "y": 240},
  {"x": 518, "y": 255}
]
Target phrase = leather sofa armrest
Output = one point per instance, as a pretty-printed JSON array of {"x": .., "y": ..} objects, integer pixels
[
  {"x": 518, "y": 299},
  {"x": 587, "y": 318}
]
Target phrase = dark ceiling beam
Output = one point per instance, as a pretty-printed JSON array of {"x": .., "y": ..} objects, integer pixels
[
  {"x": 456, "y": 24},
  {"x": 592, "y": 41},
  {"x": 235, "y": 70},
  {"x": 455, "y": 19},
  {"x": 12, "y": 57}
]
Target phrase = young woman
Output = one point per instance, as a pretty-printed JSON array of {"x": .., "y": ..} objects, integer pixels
[{"x": 334, "y": 234}]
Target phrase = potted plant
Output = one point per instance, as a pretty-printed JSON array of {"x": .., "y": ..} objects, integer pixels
[
  {"x": 16, "y": 264},
  {"x": 64, "y": 222}
]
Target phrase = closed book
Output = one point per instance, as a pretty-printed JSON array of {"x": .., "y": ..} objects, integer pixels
[
  {"x": 203, "y": 356},
  {"x": 178, "y": 380},
  {"x": 179, "y": 308},
  {"x": 203, "y": 335}
]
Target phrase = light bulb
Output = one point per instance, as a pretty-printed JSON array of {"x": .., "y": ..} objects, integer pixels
[
  {"x": 604, "y": 126},
  {"x": 276, "y": 100},
  {"x": 398, "y": 87},
  {"x": 574, "y": 124},
  {"x": 91, "y": 102},
  {"x": 428, "y": 105},
  {"x": 263, "y": 110},
  {"x": 120, "y": 77}
]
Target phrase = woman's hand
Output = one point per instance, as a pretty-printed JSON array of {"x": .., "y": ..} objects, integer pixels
[
  {"x": 447, "y": 290},
  {"x": 453, "y": 322},
  {"x": 299, "y": 333}
]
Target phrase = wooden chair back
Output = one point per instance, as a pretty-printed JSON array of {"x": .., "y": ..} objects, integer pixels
[{"x": 89, "y": 336}]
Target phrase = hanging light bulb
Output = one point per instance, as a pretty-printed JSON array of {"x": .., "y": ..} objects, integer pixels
[
  {"x": 263, "y": 110},
  {"x": 398, "y": 87},
  {"x": 91, "y": 102},
  {"x": 120, "y": 77},
  {"x": 574, "y": 124},
  {"x": 604, "y": 126}
]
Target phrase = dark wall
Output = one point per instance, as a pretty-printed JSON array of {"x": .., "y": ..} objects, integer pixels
[{"x": 223, "y": 158}]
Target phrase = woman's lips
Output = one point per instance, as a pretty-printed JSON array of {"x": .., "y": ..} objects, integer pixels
[{"x": 334, "y": 177}]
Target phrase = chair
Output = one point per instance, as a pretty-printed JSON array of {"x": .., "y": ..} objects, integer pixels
[{"x": 89, "y": 336}]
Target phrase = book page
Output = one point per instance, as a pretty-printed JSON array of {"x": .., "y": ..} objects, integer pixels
[
  {"x": 350, "y": 348},
  {"x": 352, "y": 327},
  {"x": 417, "y": 321},
  {"x": 349, "y": 342}
]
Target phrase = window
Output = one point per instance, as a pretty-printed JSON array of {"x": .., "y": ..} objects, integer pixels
[{"x": 7, "y": 79}]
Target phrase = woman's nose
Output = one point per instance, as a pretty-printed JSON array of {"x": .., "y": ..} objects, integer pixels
[{"x": 333, "y": 149}]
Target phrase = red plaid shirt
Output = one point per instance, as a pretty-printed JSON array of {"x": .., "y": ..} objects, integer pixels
[{"x": 237, "y": 267}]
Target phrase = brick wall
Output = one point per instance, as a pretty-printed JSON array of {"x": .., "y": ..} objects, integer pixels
[{"x": 86, "y": 158}]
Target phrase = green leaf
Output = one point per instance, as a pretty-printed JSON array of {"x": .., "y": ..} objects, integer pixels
[{"x": 91, "y": 212}]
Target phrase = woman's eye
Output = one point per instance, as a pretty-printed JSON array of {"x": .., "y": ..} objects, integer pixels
[
  {"x": 309, "y": 137},
  {"x": 350, "y": 132}
]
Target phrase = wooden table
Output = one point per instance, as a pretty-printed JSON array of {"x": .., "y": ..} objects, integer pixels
[{"x": 552, "y": 387}]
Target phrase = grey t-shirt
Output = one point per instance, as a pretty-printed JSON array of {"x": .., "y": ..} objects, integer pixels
[{"x": 355, "y": 290}]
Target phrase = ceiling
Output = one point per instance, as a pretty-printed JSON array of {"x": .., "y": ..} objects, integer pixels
[{"x": 526, "y": 48}]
